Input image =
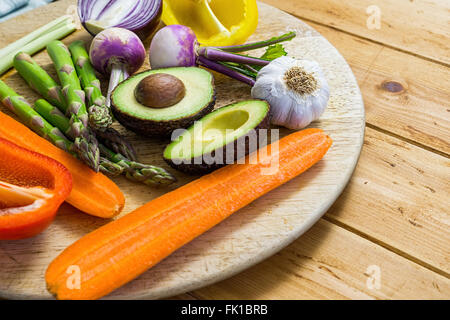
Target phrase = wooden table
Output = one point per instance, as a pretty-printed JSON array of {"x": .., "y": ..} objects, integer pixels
[{"x": 387, "y": 237}]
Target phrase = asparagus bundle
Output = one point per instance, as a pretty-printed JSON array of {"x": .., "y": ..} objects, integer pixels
[
  {"x": 100, "y": 116},
  {"x": 85, "y": 140},
  {"x": 134, "y": 171},
  {"x": 40, "y": 81},
  {"x": 48, "y": 121},
  {"x": 32, "y": 119}
]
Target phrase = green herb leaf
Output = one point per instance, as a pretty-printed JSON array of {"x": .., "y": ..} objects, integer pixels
[{"x": 273, "y": 52}]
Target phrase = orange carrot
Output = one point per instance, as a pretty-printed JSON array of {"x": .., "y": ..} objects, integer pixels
[
  {"x": 120, "y": 251},
  {"x": 92, "y": 193}
]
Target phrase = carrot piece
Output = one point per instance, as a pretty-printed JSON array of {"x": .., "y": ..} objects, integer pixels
[
  {"x": 32, "y": 187},
  {"x": 118, "y": 252},
  {"x": 92, "y": 193}
]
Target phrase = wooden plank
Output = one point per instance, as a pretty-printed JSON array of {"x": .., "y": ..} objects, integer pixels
[
  {"x": 421, "y": 27},
  {"x": 329, "y": 262},
  {"x": 420, "y": 111},
  {"x": 400, "y": 195}
]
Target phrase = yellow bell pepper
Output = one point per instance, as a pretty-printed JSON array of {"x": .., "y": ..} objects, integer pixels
[{"x": 215, "y": 22}]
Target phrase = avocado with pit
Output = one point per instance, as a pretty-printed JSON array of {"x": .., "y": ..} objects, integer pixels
[
  {"x": 156, "y": 102},
  {"x": 220, "y": 138}
]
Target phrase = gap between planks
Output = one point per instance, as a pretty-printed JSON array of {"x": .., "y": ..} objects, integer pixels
[
  {"x": 386, "y": 246},
  {"x": 407, "y": 140}
]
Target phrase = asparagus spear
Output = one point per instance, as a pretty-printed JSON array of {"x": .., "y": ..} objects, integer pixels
[
  {"x": 139, "y": 172},
  {"x": 134, "y": 171},
  {"x": 40, "y": 81},
  {"x": 110, "y": 168},
  {"x": 22, "y": 109},
  {"x": 115, "y": 141},
  {"x": 85, "y": 140},
  {"x": 100, "y": 116}
]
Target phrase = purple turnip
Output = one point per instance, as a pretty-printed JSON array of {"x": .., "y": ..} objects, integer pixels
[
  {"x": 177, "y": 46},
  {"x": 116, "y": 52}
]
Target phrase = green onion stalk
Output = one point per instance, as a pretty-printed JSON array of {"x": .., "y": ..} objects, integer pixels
[
  {"x": 36, "y": 40},
  {"x": 134, "y": 171}
]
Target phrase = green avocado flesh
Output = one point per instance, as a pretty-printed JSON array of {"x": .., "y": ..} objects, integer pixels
[
  {"x": 227, "y": 126},
  {"x": 199, "y": 99}
]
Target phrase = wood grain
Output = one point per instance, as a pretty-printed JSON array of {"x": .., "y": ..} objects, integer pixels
[
  {"x": 256, "y": 232},
  {"x": 329, "y": 262},
  {"x": 399, "y": 195},
  {"x": 418, "y": 178},
  {"x": 420, "y": 111},
  {"x": 421, "y": 27}
]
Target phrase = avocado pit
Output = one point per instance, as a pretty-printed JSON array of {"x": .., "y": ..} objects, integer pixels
[
  {"x": 198, "y": 100},
  {"x": 160, "y": 90}
]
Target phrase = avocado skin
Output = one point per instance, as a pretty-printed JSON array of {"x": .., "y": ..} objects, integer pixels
[
  {"x": 161, "y": 129},
  {"x": 203, "y": 168}
]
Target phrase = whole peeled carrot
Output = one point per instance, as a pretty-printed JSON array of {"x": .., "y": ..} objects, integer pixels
[
  {"x": 118, "y": 252},
  {"x": 92, "y": 193}
]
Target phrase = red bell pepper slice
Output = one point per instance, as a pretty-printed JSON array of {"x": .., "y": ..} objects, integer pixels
[{"x": 32, "y": 188}]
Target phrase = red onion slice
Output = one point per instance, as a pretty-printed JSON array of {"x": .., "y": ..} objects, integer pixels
[{"x": 139, "y": 16}]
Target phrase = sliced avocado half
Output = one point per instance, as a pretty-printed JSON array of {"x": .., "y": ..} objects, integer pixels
[
  {"x": 198, "y": 100},
  {"x": 221, "y": 137}
]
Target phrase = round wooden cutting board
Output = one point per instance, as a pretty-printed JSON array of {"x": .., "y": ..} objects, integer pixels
[{"x": 247, "y": 237}]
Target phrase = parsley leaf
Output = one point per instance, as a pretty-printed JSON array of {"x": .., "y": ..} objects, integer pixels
[{"x": 273, "y": 52}]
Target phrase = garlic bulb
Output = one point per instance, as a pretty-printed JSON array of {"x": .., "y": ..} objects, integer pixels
[{"x": 296, "y": 90}]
